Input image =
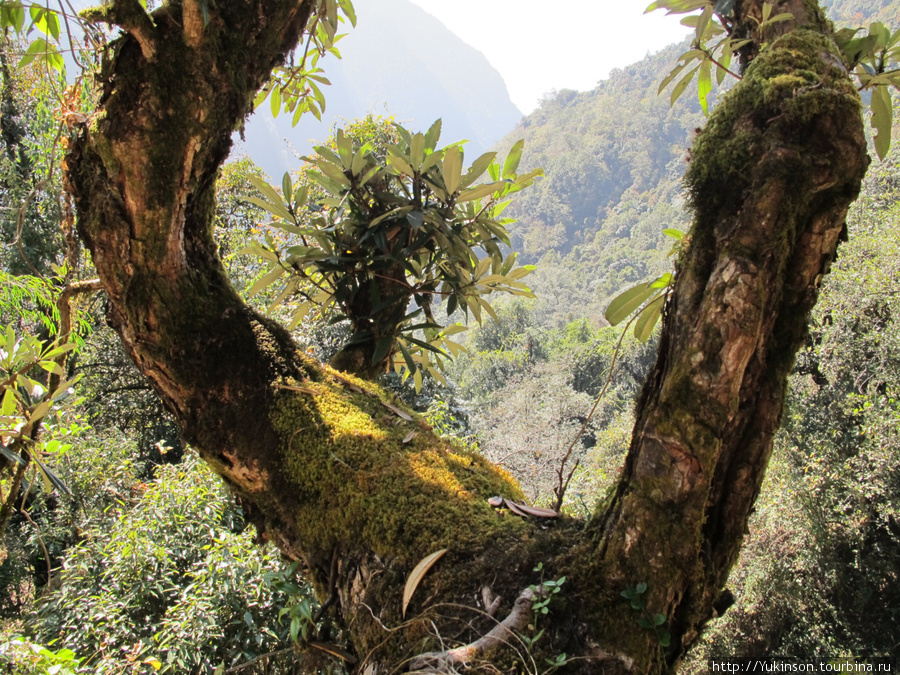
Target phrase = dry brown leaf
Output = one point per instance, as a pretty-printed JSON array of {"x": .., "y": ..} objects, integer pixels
[
  {"x": 525, "y": 511},
  {"x": 411, "y": 435},
  {"x": 397, "y": 411},
  {"x": 412, "y": 582},
  {"x": 350, "y": 385},
  {"x": 302, "y": 390}
]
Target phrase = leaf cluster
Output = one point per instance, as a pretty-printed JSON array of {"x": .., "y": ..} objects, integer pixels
[
  {"x": 875, "y": 58},
  {"x": 296, "y": 87},
  {"x": 872, "y": 57},
  {"x": 373, "y": 229},
  {"x": 654, "y": 622},
  {"x": 25, "y": 401},
  {"x": 649, "y": 297}
]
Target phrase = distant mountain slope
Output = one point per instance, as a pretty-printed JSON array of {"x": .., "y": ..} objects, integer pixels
[
  {"x": 862, "y": 12},
  {"x": 614, "y": 158},
  {"x": 401, "y": 56}
]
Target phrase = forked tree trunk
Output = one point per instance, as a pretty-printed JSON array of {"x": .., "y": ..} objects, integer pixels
[{"x": 338, "y": 478}]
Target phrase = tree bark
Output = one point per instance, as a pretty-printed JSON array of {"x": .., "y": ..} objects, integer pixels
[{"x": 331, "y": 469}]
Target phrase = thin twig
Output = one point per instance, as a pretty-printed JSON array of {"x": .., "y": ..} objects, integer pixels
[
  {"x": 40, "y": 539},
  {"x": 563, "y": 485}
]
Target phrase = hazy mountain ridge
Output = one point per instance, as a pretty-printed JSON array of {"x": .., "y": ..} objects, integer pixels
[{"x": 401, "y": 60}]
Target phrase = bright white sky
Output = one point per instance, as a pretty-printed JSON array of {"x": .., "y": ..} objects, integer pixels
[{"x": 540, "y": 45}]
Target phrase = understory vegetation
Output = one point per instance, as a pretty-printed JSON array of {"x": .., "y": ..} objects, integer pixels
[{"x": 124, "y": 553}]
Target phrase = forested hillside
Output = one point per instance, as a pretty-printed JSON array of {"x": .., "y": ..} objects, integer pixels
[
  {"x": 123, "y": 552},
  {"x": 614, "y": 158}
]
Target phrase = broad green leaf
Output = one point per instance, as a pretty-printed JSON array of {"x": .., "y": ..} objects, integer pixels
[
  {"x": 415, "y": 577},
  {"x": 334, "y": 173},
  {"x": 785, "y": 16},
  {"x": 12, "y": 16},
  {"x": 368, "y": 175},
  {"x": 451, "y": 168},
  {"x": 417, "y": 151},
  {"x": 662, "y": 281},
  {"x": 359, "y": 160},
  {"x": 724, "y": 62},
  {"x": 434, "y": 133},
  {"x": 478, "y": 192},
  {"x": 11, "y": 456},
  {"x": 494, "y": 171},
  {"x": 39, "y": 46},
  {"x": 671, "y": 76},
  {"x": 702, "y": 22},
  {"x": 513, "y": 158},
  {"x": 431, "y": 160},
  {"x": 278, "y": 210},
  {"x": 426, "y": 346},
  {"x": 299, "y": 314},
  {"x": 704, "y": 85},
  {"x": 625, "y": 303},
  {"x": 479, "y": 166},
  {"x": 648, "y": 318},
  {"x": 882, "y": 114},
  {"x": 273, "y": 202},
  {"x": 345, "y": 149},
  {"x": 329, "y": 185},
  {"x": 50, "y": 478},
  {"x": 682, "y": 84},
  {"x": 382, "y": 348},
  {"x": 399, "y": 164},
  {"x": 8, "y": 408},
  {"x": 275, "y": 101},
  {"x": 326, "y": 153},
  {"x": 407, "y": 357},
  {"x": 270, "y": 277}
]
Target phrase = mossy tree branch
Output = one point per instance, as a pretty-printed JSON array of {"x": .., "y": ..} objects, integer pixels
[
  {"x": 319, "y": 458},
  {"x": 131, "y": 17}
]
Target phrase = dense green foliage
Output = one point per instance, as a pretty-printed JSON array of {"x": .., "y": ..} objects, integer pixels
[{"x": 171, "y": 574}]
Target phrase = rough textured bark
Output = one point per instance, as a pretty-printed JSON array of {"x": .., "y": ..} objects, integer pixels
[{"x": 329, "y": 469}]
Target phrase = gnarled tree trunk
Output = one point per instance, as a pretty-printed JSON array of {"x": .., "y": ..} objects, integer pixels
[{"x": 338, "y": 478}]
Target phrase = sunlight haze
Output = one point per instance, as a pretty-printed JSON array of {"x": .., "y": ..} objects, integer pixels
[{"x": 536, "y": 51}]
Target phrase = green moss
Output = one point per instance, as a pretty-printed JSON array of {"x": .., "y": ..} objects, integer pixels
[
  {"x": 788, "y": 86},
  {"x": 357, "y": 481}
]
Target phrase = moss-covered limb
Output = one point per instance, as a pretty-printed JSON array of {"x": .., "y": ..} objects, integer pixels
[
  {"x": 770, "y": 181},
  {"x": 318, "y": 458},
  {"x": 748, "y": 23},
  {"x": 131, "y": 17}
]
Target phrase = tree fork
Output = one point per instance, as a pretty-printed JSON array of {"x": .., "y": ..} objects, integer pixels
[{"x": 331, "y": 468}]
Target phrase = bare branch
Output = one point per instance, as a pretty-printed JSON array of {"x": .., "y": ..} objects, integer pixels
[{"x": 500, "y": 634}]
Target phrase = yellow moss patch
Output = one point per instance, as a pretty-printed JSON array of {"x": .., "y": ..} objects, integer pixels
[{"x": 357, "y": 482}]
